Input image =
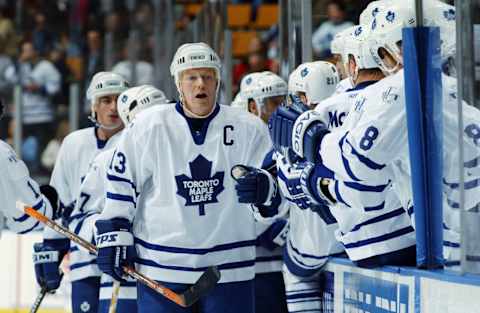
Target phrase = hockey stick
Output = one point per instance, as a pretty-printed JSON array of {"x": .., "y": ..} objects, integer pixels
[
  {"x": 38, "y": 300},
  {"x": 114, "y": 299},
  {"x": 204, "y": 284}
]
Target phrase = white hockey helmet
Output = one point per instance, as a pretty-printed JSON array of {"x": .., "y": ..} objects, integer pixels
[
  {"x": 136, "y": 99},
  {"x": 194, "y": 55},
  {"x": 386, "y": 33},
  {"x": 104, "y": 84},
  {"x": 266, "y": 85},
  {"x": 240, "y": 102},
  {"x": 371, "y": 11},
  {"x": 248, "y": 81},
  {"x": 442, "y": 15},
  {"x": 317, "y": 80},
  {"x": 336, "y": 46}
]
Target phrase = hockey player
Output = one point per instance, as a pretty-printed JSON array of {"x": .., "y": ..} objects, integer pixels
[
  {"x": 179, "y": 156},
  {"x": 16, "y": 185},
  {"x": 311, "y": 238},
  {"x": 258, "y": 90},
  {"x": 336, "y": 46},
  {"x": 376, "y": 142},
  {"x": 129, "y": 104},
  {"x": 76, "y": 153}
]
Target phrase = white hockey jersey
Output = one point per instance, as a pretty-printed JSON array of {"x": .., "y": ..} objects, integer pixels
[
  {"x": 343, "y": 86},
  {"x": 77, "y": 152},
  {"x": 190, "y": 217},
  {"x": 16, "y": 185}
]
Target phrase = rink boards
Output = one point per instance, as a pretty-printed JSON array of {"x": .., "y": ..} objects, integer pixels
[{"x": 349, "y": 289}]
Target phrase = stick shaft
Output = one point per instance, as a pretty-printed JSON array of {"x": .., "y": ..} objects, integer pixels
[
  {"x": 114, "y": 300},
  {"x": 38, "y": 300},
  {"x": 178, "y": 299}
]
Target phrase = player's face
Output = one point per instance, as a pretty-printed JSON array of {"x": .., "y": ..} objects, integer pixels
[
  {"x": 270, "y": 105},
  {"x": 390, "y": 61},
  {"x": 199, "y": 88},
  {"x": 106, "y": 109}
]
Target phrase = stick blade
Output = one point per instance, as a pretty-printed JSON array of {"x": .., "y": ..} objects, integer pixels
[{"x": 203, "y": 286}]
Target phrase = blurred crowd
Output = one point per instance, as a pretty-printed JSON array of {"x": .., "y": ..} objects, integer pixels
[{"x": 50, "y": 44}]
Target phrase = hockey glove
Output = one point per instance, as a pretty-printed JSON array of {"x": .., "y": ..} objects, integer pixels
[
  {"x": 257, "y": 187},
  {"x": 297, "y": 128},
  {"x": 47, "y": 257},
  {"x": 115, "y": 246},
  {"x": 275, "y": 236}
]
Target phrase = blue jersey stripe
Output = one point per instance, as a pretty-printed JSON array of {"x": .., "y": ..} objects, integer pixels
[
  {"x": 30, "y": 229},
  {"x": 451, "y": 244},
  {"x": 297, "y": 267},
  {"x": 122, "y": 284},
  {"x": 222, "y": 247},
  {"x": 338, "y": 196},
  {"x": 346, "y": 165},
  {"x": 304, "y": 295},
  {"x": 269, "y": 258},
  {"x": 363, "y": 159},
  {"x": 379, "y": 218},
  {"x": 305, "y": 255},
  {"x": 395, "y": 234},
  {"x": 120, "y": 197},
  {"x": 225, "y": 266},
  {"x": 379, "y": 207},
  {"x": 82, "y": 264},
  {"x": 472, "y": 163},
  {"x": 111, "y": 177},
  {"x": 468, "y": 185},
  {"x": 362, "y": 187},
  {"x": 24, "y": 217}
]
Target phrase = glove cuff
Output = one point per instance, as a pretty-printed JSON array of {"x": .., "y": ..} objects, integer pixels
[
  {"x": 272, "y": 188},
  {"x": 41, "y": 257},
  {"x": 114, "y": 238},
  {"x": 302, "y": 123}
]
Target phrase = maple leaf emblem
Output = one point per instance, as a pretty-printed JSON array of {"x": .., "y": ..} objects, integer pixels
[{"x": 200, "y": 188}]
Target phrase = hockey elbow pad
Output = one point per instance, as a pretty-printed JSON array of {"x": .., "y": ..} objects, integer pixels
[{"x": 307, "y": 135}]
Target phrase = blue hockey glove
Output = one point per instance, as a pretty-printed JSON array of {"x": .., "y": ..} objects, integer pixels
[
  {"x": 257, "y": 187},
  {"x": 47, "y": 257},
  {"x": 297, "y": 128},
  {"x": 275, "y": 236},
  {"x": 115, "y": 246}
]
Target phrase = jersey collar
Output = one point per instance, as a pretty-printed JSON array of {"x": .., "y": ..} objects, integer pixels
[
  {"x": 200, "y": 135},
  {"x": 362, "y": 85},
  {"x": 100, "y": 143}
]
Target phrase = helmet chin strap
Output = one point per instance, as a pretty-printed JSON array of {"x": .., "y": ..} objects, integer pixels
[{"x": 97, "y": 124}]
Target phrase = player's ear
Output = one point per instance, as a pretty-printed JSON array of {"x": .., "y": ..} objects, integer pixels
[{"x": 252, "y": 107}]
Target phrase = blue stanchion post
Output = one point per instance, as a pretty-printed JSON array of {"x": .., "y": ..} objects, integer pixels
[{"x": 423, "y": 94}]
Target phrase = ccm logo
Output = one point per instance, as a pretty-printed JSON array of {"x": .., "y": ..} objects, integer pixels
[
  {"x": 37, "y": 258},
  {"x": 300, "y": 124},
  {"x": 107, "y": 238}
]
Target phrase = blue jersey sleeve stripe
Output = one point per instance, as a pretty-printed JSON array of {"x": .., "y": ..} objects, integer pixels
[
  {"x": 468, "y": 185},
  {"x": 338, "y": 196},
  {"x": 120, "y": 197},
  {"x": 379, "y": 207},
  {"x": 30, "y": 229},
  {"x": 24, "y": 217},
  {"x": 451, "y": 244},
  {"x": 297, "y": 269},
  {"x": 111, "y": 177},
  {"x": 362, "y": 187},
  {"x": 222, "y": 247},
  {"x": 269, "y": 258},
  {"x": 379, "y": 218},
  {"x": 122, "y": 284},
  {"x": 346, "y": 165},
  {"x": 225, "y": 266},
  {"x": 369, "y": 163},
  {"x": 472, "y": 163},
  {"x": 395, "y": 234}
]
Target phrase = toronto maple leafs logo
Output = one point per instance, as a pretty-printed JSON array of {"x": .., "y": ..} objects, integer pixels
[
  {"x": 304, "y": 72},
  {"x": 375, "y": 11},
  {"x": 390, "y": 16},
  {"x": 449, "y": 15},
  {"x": 248, "y": 81},
  {"x": 124, "y": 98},
  {"x": 200, "y": 188},
  {"x": 374, "y": 24}
]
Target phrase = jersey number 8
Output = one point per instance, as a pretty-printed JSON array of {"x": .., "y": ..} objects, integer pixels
[{"x": 367, "y": 140}]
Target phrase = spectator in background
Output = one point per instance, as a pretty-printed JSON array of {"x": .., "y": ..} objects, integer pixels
[
  {"x": 94, "y": 55},
  {"x": 42, "y": 38},
  {"x": 29, "y": 148},
  {"x": 143, "y": 69},
  {"x": 8, "y": 36},
  {"x": 58, "y": 58},
  {"x": 40, "y": 81},
  {"x": 323, "y": 36},
  {"x": 256, "y": 61}
]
